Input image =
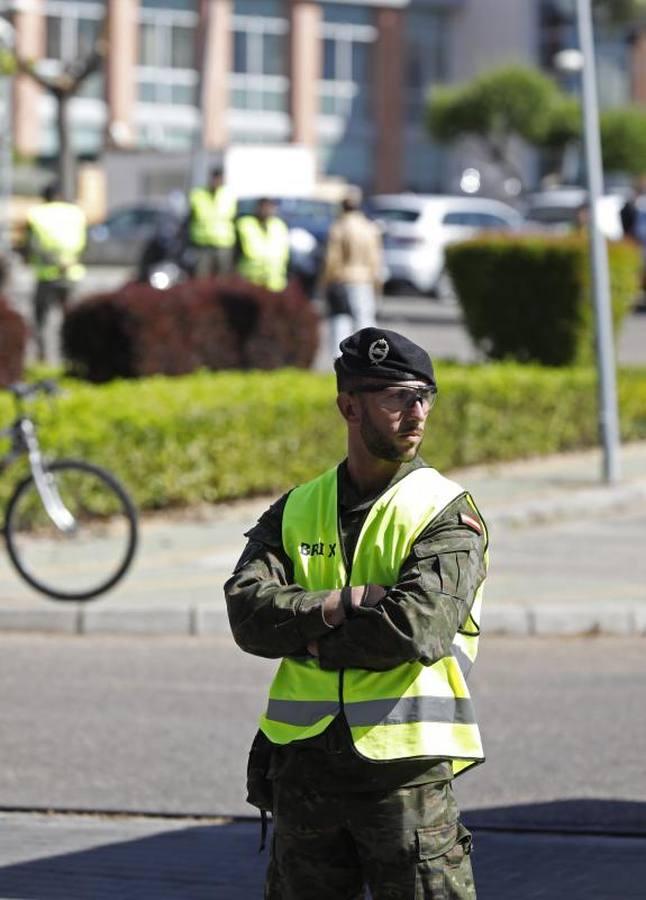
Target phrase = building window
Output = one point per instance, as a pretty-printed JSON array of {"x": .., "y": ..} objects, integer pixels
[
  {"x": 558, "y": 31},
  {"x": 258, "y": 77},
  {"x": 166, "y": 73},
  {"x": 348, "y": 35},
  {"x": 71, "y": 28},
  {"x": 426, "y": 59}
]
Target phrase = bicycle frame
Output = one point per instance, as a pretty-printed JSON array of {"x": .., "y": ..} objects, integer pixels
[{"x": 24, "y": 441}]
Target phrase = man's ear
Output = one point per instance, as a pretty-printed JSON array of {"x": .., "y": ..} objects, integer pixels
[{"x": 348, "y": 405}]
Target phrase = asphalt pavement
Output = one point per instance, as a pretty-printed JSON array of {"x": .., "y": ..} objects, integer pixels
[{"x": 123, "y": 724}]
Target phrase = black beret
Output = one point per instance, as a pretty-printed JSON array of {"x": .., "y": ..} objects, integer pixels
[{"x": 378, "y": 353}]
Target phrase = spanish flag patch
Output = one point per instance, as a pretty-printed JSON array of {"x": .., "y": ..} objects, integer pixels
[{"x": 470, "y": 522}]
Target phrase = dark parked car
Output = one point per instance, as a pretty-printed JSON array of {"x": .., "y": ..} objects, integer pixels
[{"x": 121, "y": 239}]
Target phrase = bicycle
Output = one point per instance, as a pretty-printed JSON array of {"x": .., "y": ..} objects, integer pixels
[{"x": 70, "y": 527}]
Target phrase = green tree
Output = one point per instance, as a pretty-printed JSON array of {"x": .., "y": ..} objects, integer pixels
[
  {"x": 510, "y": 102},
  {"x": 623, "y": 139},
  {"x": 62, "y": 87},
  {"x": 619, "y": 12}
]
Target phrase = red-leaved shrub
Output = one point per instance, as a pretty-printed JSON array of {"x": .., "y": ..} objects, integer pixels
[
  {"x": 221, "y": 323},
  {"x": 13, "y": 341}
]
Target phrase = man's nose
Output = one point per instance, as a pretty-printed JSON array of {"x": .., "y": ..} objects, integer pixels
[{"x": 418, "y": 410}]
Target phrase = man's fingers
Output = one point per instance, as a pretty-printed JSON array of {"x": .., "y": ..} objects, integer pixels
[{"x": 374, "y": 593}]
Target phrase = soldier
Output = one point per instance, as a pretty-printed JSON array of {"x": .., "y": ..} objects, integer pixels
[
  {"x": 55, "y": 240},
  {"x": 211, "y": 228},
  {"x": 262, "y": 249},
  {"x": 367, "y": 581}
]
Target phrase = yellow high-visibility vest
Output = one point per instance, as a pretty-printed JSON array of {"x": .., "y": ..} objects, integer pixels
[
  {"x": 264, "y": 251},
  {"x": 412, "y": 710},
  {"x": 212, "y": 216},
  {"x": 59, "y": 230}
]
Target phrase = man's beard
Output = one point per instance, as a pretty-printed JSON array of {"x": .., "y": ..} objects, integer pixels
[{"x": 384, "y": 446}]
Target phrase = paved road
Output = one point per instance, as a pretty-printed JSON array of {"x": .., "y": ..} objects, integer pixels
[
  {"x": 163, "y": 725},
  {"x": 558, "y": 811}
]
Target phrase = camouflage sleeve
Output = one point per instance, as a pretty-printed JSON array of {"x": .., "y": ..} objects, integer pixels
[
  {"x": 269, "y": 615},
  {"x": 420, "y": 615}
]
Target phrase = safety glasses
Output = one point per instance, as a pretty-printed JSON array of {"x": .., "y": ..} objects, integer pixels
[{"x": 399, "y": 399}]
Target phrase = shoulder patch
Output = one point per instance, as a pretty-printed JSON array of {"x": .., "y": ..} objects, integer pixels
[{"x": 471, "y": 522}]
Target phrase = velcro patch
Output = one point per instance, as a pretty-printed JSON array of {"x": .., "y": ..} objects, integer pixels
[{"x": 470, "y": 522}]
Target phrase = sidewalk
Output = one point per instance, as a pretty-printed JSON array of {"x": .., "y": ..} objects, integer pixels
[{"x": 535, "y": 511}]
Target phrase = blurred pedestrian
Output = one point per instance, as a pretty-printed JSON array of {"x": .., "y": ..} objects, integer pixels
[
  {"x": 163, "y": 253},
  {"x": 352, "y": 271},
  {"x": 211, "y": 228},
  {"x": 632, "y": 223},
  {"x": 262, "y": 250},
  {"x": 367, "y": 581},
  {"x": 56, "y": 237}
]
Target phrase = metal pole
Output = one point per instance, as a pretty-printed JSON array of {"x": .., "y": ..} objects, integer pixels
[
  {"x": 197, "y": 168},
  {"x": 608, "y": 415}
]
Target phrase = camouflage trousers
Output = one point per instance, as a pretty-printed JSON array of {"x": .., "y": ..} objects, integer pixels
[{"x": 407, "y": 844}]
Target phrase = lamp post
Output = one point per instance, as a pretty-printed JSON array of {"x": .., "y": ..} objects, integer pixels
[
  {"x": 607, "y": 384},
  {"x": 583, "y": 62}
]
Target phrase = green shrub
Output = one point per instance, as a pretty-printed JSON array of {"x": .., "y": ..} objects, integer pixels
[
  {"x": 213, "y": 437},
  {"x": 528, "y": 297}
]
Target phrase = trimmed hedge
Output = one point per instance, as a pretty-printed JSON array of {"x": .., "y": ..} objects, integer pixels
[
  {"x": 528, "y": 297},
  {"x": 213, "y": 437},
  {"x": 223, "y": 323},
  {"x": 13, "y": 342}
]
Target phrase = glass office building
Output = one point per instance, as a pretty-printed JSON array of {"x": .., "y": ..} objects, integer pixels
[{"x": 348, "y": 79}]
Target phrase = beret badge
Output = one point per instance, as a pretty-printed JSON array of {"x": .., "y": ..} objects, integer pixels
[{"x": 378, "y": 351}]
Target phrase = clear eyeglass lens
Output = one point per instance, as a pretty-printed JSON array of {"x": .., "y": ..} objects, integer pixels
[{"x": 405, "y": 398}]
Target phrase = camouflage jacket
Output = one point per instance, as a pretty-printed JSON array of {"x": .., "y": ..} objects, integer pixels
[{"x": 271, "y": 616}]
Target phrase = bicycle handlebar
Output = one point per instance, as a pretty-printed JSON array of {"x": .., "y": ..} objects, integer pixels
[{"x": 21, "y": 390}]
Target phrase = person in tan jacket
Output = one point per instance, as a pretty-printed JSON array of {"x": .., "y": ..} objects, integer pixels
[{"x": 351, "y": 272}]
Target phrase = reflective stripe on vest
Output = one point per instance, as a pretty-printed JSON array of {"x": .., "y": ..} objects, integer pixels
[
  {"x": 212, "y": 216},
  {"x": 265, "y": 252},
  {"x": 59, "y": 230},
  {"x": 411, "y": 710}
]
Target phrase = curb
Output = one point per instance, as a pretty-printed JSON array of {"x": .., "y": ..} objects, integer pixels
[
  {"x": 193, "y": 621},
  {"x": 198, "y": 621}
]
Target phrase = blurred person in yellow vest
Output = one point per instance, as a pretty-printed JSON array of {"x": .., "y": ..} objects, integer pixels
[
  {"x": 211, "y": 228},
  {"x": 263, "y": 247},
  {"x": 56, "y": 237}
]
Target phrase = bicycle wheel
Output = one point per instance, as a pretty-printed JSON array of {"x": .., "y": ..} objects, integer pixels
[{"x": 92, "y": 543}]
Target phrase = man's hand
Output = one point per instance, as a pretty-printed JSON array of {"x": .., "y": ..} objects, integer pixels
[{"x": 362, "y": 595}]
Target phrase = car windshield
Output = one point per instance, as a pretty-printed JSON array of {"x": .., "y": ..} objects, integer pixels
[
  {"x": 395, "y": 214},
  {"x": 552, "y": 215},
  {"x": 294, "y": 208}
]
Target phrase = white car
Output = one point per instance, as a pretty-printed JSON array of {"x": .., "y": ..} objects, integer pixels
[
  {"x": 416, "y": 229},
  {"x": 557, "y": 210}
]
